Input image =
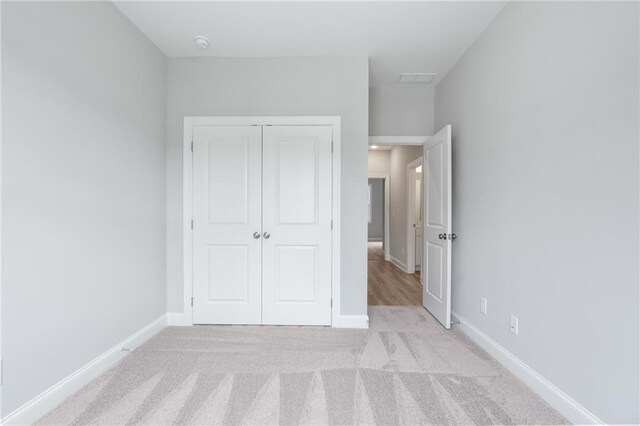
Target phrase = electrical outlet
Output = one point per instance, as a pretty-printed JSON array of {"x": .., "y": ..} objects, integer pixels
[
  {"x": 483, "y": 305},
  {"x": 513, "y": 324}
]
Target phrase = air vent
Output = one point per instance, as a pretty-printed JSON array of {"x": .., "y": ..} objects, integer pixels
[{"x": 417, "y": 77}]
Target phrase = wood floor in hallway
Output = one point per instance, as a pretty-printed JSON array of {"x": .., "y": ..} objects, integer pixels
[{"x": 387, "y": 284}]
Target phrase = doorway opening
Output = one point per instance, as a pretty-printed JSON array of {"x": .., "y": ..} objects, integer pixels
[
  {"x": 417, "y": 200},
  {"x": 394, "y": 240}
]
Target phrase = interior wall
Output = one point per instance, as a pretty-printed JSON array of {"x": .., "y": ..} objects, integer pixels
[
  {"x": 378, "y": 162},
  {"x": 83, "y": 189},
  {"x": 400, "y": 157},
  {"x": 376, "y": 222},
  {"x": 312, "y": 86},
  {"x": 545, "y": 118},
  {"x": 401, "y": 110}
]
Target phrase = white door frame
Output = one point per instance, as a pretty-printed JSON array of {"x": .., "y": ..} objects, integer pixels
[
  {"x": 387, "y": 239},
  {"x": 398, "y": 140},
  {"x": 411, "y": 211},
  {"x": 187, "y": 208}
]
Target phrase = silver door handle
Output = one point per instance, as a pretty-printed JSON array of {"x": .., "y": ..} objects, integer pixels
[
  {"x": 256, "y": 235},
  {"x": 266, "y": 235}
]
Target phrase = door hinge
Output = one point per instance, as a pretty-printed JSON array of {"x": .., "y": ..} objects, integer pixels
[
  {"x": 331, "y": 302},
  {"x": 332, "y": 224},
  {"x": 332, "y": 146},
  {"x": 191, "y": 146},
  {"x": 191, "y": 223},
  {"x": 192, "y": 301}
]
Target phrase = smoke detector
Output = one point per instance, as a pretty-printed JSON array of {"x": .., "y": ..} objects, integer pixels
[
  {"x": 201, "y": 42},
  {"x": 417, "y": 77}
]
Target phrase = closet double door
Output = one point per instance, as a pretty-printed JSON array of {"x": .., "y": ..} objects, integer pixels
[{"x": 262, "y": 225}]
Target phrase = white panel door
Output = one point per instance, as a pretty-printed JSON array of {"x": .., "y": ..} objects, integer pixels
[
  {"x": 296, "y": 283},
  {"x": 437, "y": 226},
  {"x": 227, "y": 169}
]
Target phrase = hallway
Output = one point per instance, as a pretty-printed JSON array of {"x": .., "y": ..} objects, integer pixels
[{"x": 387, "y": 284}]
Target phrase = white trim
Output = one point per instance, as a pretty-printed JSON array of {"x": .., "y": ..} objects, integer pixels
[
  {"x": 1, "y": 257},
  {"x": 354, "y": 321},
  {"x": 411, "y": 209},
  {"x": 555, "y": 397},
  {"x": 369, "y": 205},
  {"x": 398, "y": 140},
  {"x": 187, "y": 214},
  {"x": 33, "y": 410},
  {"x": 387, "y": 237},
  {"x": 398, "y": 263},
  {"x": 178, "y": 319}
]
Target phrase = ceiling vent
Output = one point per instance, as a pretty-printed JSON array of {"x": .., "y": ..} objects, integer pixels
[{"x": 417, "y": 77}]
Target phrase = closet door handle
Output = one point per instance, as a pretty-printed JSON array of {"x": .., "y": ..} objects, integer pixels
[
  {"x": 266, "y": 235},
  {"x": 256, "y": 235}
]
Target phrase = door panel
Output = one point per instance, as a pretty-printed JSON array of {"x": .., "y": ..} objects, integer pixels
[
  {"x": 297, "y": 217},
  {"x": 228, "y": 184},
  {"x": 296, "y": 274},
  {"x": 227, "y": 168},
  {"x": 228, "y": 278},
  {"x": 434, "y": 188},
  {"x": 297, "y": 188},
  {"x": 437, "y": 222}
]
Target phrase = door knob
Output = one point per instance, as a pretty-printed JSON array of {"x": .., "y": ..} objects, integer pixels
[
  {"x": 266, "y": 235},
  {"x": 256, "y": 235},
  {"x": 452, "y": 236},
  {"x": 442, "y": 236}
]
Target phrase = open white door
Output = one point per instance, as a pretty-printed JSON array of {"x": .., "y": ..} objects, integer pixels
[{"x": 436, "y": 268}]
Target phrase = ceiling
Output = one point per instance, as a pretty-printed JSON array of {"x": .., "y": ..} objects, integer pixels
[{"x": 398, "y": 37}]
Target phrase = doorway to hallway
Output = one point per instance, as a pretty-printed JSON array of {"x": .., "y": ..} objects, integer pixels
[
  {"x": 388, "y": 285},
  {"x": 417, "y": 209},
  {"x": 394, "y": 213}
]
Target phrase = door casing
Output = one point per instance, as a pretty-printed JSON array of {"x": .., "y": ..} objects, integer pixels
[
  {"x": 187, "y": 208},
  {"x": 411, "y": 205}
]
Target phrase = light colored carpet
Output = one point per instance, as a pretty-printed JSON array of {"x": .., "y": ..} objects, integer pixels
[{"x": 406, "y": 369}]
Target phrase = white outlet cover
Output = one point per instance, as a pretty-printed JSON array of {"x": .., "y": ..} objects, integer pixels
[
  {"x": 483, "y": 305},
  {"x": 513, "y": 325}
]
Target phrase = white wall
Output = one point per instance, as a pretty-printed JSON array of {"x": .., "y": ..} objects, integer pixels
[
  {"x": 378, "y": 162},
  {"x": 400, "y": 157},
  {"x": 83, "y": 189},
  {"x": 544, "y": 108},
  {"x": 401, "y": 111},
  {"x": 276, "y": 86}
]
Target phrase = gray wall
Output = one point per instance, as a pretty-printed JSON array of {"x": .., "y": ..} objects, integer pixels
[
  {"x": 398, "y": 191},
  {"x": 401, "y": 111},
  {"x": 376, "y": 226},
  {"x": 83, "y": 189},
  {"x": 544, "y": 108},
  {"x": 276, "y": 86}
]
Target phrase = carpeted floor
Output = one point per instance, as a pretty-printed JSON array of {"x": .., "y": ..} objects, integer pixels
[{"x": 405, "y": 369}]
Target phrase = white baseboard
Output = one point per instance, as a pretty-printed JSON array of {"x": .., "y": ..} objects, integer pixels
[
  {"x": 33, "y": 410},
  {"x": 353, "y": 321},
  {"x": 178, "y": 318},
  {"x": 555, "y": 397},
  {"x": 399, "y": 264}
]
